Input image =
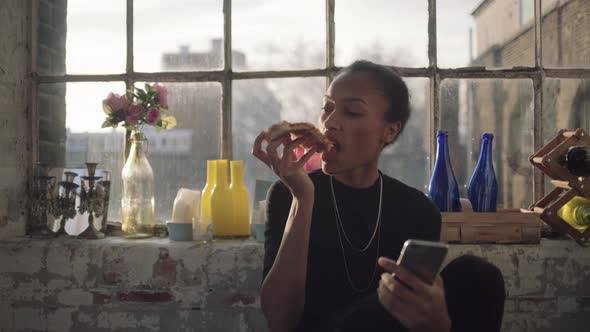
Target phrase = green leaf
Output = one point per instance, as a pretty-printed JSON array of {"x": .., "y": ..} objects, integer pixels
[
  {"x": 106, "y": 108},
  {"x": 106, "y": 123}
]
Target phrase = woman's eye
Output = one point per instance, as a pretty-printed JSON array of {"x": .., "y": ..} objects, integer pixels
[
  {"x": 327, "y": 108},
  {"x": 353, "y": 114}
]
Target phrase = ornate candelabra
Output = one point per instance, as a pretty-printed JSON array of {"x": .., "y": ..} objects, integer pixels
[
  {"x": 42, "y": 201},
  {"x": 64, "y": 207},
  {"x": 94, "y": 201}
]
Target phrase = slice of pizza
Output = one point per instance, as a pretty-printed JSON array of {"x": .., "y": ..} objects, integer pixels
[{"x": 300, "y": 129}]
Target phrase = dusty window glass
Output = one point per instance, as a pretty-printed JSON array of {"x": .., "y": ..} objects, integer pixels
[
  {"x": 179, "y": 156},
  {"x": 391, "y": 32},
  {"x": 183, "y": 36},
  {"x": 469, "y": 108},
  {"x": 278, "y": 34},
  {"x": 501, "y": 41},
  {"x": 257, "y": 104},
  {"x": 95, "y": 40},
  {"x": 70, "y": 116},
  {"x": 566, "y": 105},
  {"x": 456, "y": 34},
  {"x": 565, "y": 29},
  {"x": 408, "y": 159}
]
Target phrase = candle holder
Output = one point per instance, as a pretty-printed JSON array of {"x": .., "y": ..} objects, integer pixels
[
  {"x": 42, "y": 201},
  {"x": 65, "y": 205},
  {"x": 94, "y": 201}
]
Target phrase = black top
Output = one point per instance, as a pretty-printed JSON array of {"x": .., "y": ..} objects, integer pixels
[{"x": 406, "y": 214}]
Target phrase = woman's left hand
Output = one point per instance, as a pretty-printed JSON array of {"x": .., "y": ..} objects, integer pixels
[{"x": 420, "y": 309}]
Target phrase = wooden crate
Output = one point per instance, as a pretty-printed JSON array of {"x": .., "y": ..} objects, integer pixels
[{"x": 503, "y": 226}]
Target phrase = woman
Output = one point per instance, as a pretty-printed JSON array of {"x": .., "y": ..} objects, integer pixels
[{"x": 327, "y": 229}]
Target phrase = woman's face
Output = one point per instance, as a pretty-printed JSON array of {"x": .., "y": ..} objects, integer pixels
[{"x": 353, "y": 117}]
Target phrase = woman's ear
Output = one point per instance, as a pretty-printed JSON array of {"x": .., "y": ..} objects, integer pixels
[{"x": 391, "y": 131}]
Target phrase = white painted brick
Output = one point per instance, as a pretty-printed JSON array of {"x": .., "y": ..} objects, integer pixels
[
  {"x": 6, "y": 317},
  {"x": 60, "y": 320},
  {"x": 567, "y": 304},
  {"x": 29, "y": 318},
  {"x": 26, "y": 259},
  {"x": 75, "y": 297}
]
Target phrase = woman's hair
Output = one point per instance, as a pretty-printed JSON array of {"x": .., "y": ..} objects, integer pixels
[{"x": 394, "y": 88}]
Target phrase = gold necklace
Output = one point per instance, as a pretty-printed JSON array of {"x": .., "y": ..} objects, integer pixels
[{"x": 376, "y": 232}]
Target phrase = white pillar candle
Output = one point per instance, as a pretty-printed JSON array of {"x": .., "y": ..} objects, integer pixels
[{"x": 186, "y": 206}]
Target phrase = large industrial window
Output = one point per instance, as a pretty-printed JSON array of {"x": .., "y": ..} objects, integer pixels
[{"x": 518, "y": 69}]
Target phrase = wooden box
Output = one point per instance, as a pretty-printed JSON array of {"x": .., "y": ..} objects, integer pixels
[{"x": 503, "y": 226}]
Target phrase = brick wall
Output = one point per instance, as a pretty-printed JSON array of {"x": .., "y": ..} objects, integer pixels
[
  {"x": 158, "y": 285},
  {"x": 14, "y": 117},
  {"x": 51, "y": 60}
]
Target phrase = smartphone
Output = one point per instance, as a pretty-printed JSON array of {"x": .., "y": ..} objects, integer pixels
[{"x": 423, "y": 258}]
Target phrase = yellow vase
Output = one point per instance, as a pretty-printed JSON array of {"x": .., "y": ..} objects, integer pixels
[
  {"x": 240, "y": 199},
  {"x": 206, "y": 196},
  {"x": 221, "y": 203}
]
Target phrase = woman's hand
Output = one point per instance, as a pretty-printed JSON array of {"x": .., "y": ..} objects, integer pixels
[
  {"x": 420, "y": 309},
  {"x": 287, "y": 167}
]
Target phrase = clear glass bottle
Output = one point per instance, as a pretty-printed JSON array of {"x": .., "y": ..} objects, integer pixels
[
  {"x": 138, "y": 206},
  {"x": 240, "y": 199},
  {"x": 443, "y": 189},
  {"x": 483, "y": 186}
]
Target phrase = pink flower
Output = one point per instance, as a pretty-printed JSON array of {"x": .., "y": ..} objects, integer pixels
[
  {"x": 116, "y": 102},
  {"x": 153, "y": 115},
  {"x": 162, "y": 94},
  {"x": 134, "y": 114}
]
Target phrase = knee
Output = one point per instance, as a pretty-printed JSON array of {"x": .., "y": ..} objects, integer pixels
[{"x": 475, "y": 291}]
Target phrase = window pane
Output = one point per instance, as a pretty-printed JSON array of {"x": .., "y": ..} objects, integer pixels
[
  {"x": 408, "y": 159},
  {"x": 566, "y": 106},
  {"x": 279, "y": 34},
  {"x": 503, "y": 107},
  {"x": 95, "y": 42},
  {"x": 392, "y": 32},
  {"x": 455, "y": 32},
  {"x": 178, "y": 35},
  {"x": 565, "y": 34},
  {"x": 504, "y": 32},
  {"x": 70, "y": 116},
  {"x": 257, "y": 104},
  {"x": 179, "y": 156}
]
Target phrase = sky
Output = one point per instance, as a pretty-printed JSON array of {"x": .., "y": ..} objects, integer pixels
[{"x": 274, "y": 34}]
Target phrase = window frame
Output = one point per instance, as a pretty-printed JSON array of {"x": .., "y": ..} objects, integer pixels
[{"x": 225, "y": 76}]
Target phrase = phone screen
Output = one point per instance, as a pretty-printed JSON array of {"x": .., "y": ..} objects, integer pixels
[{"x": 423, "y": 258}]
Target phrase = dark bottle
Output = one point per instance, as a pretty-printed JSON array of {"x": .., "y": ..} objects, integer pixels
[
  {"x": 443, "y": 189},
  {"x": 483, "y": 186},
  {"x": 577, "y": 160}
]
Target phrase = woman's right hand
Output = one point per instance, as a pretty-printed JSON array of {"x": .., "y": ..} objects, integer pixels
[{"x": 287, "y": 167}]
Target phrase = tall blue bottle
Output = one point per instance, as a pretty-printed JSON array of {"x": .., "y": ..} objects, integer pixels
[
  {"x": 483, "y": 186},
  {"x": 443, "y": 189}
]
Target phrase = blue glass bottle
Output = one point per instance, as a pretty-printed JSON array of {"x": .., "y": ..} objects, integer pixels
[
  {"x": 443, "y": 189},
  {"x": 483, "y": 186}
]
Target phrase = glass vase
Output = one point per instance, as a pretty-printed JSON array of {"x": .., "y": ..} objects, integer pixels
[{"x": 138, "y": 206}]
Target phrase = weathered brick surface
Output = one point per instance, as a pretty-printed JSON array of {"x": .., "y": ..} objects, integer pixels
[
  {"x": 115, "y": 284},
  {"x": 14, "y": 119}
]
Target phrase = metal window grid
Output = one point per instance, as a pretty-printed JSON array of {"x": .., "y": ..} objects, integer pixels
[{"x": 226, "y": 76}]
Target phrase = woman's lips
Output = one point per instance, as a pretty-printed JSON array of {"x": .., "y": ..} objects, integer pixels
[{"x": 331, "y": 154}]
